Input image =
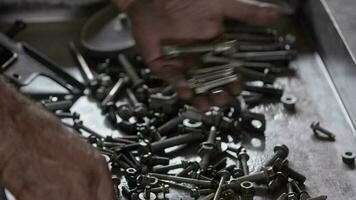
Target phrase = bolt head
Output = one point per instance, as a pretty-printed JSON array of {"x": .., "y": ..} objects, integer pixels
[
  {"x": 282, "y": 150},
  {"x": 194, "y": 192},
  {"x": 292, "y": 196},
  {"x": 243, "y": 155},
  {"x": 314, "y": 125}
]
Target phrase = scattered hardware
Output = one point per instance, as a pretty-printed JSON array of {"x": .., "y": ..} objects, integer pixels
[{"x": 322, "y": 133}]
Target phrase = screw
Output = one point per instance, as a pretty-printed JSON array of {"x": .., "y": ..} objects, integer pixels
[
  {"x": 84, "y": 67},
  {"x": 266, "y": 55},
  {"x": 64, "y": 115},
  {"x": 163, "y": 169},
  {"x": 303, "y": 195},
  {"x": 224, "y": 177},
  {"x": 280, "y": 151},
  {"x": 193, "y": 166},
  {"x": 317, "y": 129},
  {"x": 243, "y": 157},
  {"x": 174, "y": 51},
  {"x": 162, "y": 189},
  {"x": 205, "y": 87},
  {"x": 151, "y": 160},
  {"x": 196, "y": 192},
  {"x": 283, "y": 196},
  {"x": 207, "y": 148},
  {"x": 264, "y": 175},
  {"x": 139, "y": 108},
  {"x": 123, "y": 80},
  {"x": 291, "y": 195},
  {"x": 280, "y": 165},
  {"x": 170, "y": 125},
  {"x": 125, "y": 112},
  {"x": 280, "y": 180},
  {"x": 247, "y": 190},
  {"x": 130, "y": 70},
  {"x": 184, "y": 180},
  {"x": 177, "y": 140}
]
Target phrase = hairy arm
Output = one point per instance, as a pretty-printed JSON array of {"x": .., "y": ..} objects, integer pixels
[{"x": 40, "y": 159}]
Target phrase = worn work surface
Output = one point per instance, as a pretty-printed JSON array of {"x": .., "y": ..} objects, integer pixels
[{"x": 320, "y": 161}]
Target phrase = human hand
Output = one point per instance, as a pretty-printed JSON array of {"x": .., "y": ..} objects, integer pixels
[
  {"x": 186, "y": 22},
  {"x": 49, "y": 164}
]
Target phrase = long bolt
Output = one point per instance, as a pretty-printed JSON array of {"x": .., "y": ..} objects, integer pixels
[
  {"x": 130, "y": 70},
  {"x": 139, "y": 108},
  {"x": 318, "y": 129},
  {"x": 88, "y": 74},
  {"x": 243, "y": 157},
  {"x": 163, "y": 169},
  {"x": 263, "y": 176},
  {"x": 280, "y": 180},
  {"x": 177, "y": 140},
  {"x": 280, "y": 151},
  {"x": 183, "y": 180},
  {"x": 207, "y": 148},
  {"x": 224, "y": 177},
  {"x": 114, "y": 92},
  {"x": 175, "y": 51},
  {"x": 193, "y": 166}
]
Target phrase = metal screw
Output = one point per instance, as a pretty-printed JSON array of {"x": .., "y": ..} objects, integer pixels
[
  {"x": 192, "y": 166},
  {"x": 280, "y": 151},
  {"x": 184, "y": 180},
  {"x": 280, "y": 165},
  {"x": 243, "y": 157},
  {"x": 263, "y": 176},
  {"x": 224, "y": 177},
  {"x": 291, "y": 195},
  {"x": 130, "y": 70},
  {"x": 205, "y": 87},
  {"x": 196, "y": 192},
  {"x": 163, "y": 169},
  {"x": 177, "y": 140},
  {"x": 139, "y": 108},
  {"x": 170, "y": 125},
  {"x": 207, "y": 148},
  {"x": 303, "y": 195},
  {"x": 317, "y": 129},
  {"x": 174, "y": 51},
  {"x": 280, "y": 180},
  {"x": 115, "y": 90}
]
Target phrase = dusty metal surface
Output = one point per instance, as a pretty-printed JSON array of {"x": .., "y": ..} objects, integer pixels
[{"x": 320, "y": 161}]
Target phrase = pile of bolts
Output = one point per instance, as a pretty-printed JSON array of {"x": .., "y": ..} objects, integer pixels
[{"x": 152, "y": 120}]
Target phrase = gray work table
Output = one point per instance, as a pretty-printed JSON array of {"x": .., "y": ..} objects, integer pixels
[{"x": 319, "y": 99}]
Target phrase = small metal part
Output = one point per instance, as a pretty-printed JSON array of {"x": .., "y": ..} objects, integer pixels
[
  {"x": 114, "y": 92},
  {"x": 130, "y": 70},
  {"x": 349, "y": 158},
  {"x": 84, "y": 67},
  {"x": 280, "y": 180},
  {"x": 57, "y": 105},
  {"x": 282, "y": 165},
  {"x": 124, "y": 111},
  {"x": 243, "y": 157},
  {"x": 177, "y": 140},
  {"x": 321, "y": 132},
  {"x": 205, "y": 87},
  {"x": 225, "y": 175},
  {"x": 220, "y": 48},
  {"x": 281, "y": 55},
  {"x": 280, "y": 151},
  {"x": 283, "y": 196},
  {"x": 208, "y": 148},
  {"x": 291, "y": 195},
  {"x": 247, "y": 190},
  {"x": 140, "y": 109},
  {"x": 192, "y": 166},
  {"x": 303, "y": 195},
  {"x": 289, "y": 102},
  {"x": 184, "y": 180}
]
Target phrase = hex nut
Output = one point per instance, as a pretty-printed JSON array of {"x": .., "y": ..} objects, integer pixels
[
  {"x": 349, "y": 158},
  {"x": 289, "y": 102}
]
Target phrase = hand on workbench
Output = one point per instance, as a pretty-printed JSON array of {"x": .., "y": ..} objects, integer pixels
[
  {"x": 186, "y": 22},
  {"x": 40, "y": 159}
]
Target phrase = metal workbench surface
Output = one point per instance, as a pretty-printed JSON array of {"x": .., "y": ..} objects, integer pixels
[{"x": 319, "y": 160}]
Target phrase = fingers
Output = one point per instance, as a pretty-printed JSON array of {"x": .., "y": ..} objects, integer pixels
[{"x": 252, "y": 12}]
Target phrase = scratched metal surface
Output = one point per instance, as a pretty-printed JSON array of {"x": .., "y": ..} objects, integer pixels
[{"x": 319, "y": 161}]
